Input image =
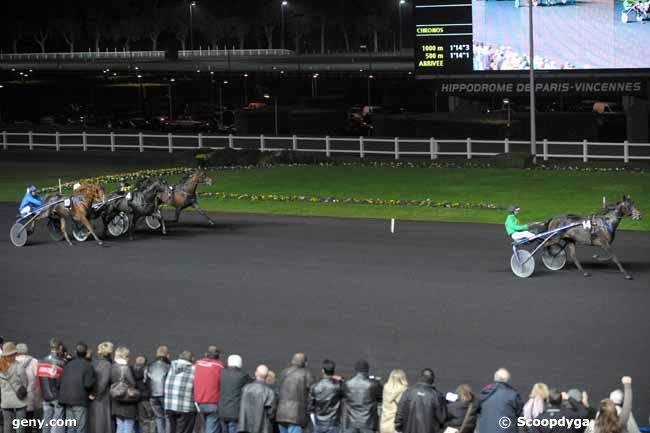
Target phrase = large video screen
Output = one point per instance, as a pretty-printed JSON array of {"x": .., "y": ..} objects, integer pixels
[{"x": 466, "y": 36}]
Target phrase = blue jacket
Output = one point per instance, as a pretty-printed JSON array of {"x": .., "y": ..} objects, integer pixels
[
  {"x": 29, "y": 199},
  {"x": 499, "y": 400}
]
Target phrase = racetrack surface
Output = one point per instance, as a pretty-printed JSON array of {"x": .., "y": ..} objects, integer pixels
[{"x": 434, "y": 294}]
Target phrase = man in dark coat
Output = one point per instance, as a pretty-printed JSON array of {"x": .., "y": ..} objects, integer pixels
[
  {"x": 77, "y": 381},
  {"x": 361, "y": 396},
  {"x": 500, "y": 405},
  {"x": 422, "y": 409},
  {"x": 294, "y": 395},
  {"x": 572, "y": 411},
  {"x": 233, "y": 380},
  {"x": 258, "y": 405},
  {"x": 156, "y": 376}
]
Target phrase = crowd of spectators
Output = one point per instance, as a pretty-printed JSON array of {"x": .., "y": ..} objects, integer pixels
[
  {"x": 108, "y": 393},
  {"x": 488, "y": 57}
]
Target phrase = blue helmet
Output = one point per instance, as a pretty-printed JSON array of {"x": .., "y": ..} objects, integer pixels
[{"x": 31, "y": 188}]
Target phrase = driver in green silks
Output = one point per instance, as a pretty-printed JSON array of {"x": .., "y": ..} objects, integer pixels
[{"x": 514, "y": 229}]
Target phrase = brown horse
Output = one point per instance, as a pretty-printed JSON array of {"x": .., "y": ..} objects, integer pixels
[
  {"x": 76, "y": 207},
  {"x": 598, "y": 229},
  {"x": 183, "y": 194}
]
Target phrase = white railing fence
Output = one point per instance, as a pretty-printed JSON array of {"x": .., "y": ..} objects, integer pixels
[{"x": 396, "y": 147}]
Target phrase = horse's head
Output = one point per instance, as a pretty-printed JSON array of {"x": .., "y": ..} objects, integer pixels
[
  {"x": 627, "y": 208},
  {"x": 203, "y": 177},
  {"x": 92, "y": 190}
]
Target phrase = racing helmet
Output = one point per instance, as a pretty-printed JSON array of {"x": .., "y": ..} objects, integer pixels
[
  {"x": 512, "y": 208},
  {"x": 31, "y": 189}
]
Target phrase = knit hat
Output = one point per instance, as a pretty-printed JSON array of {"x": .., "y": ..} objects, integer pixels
[
  {"x": 575, "y": 394},
  {"x": 362, "y": 367},
  {"x": 8, "y": 349},
  {"x": 21, "y": 349},
  {"x": 616, "y": 397}
]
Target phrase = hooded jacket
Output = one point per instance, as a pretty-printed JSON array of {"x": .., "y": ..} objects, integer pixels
[
  {"x": 499, "y": 400},
  {"x": 10, "y": 381},
  {"x": 179, "y": 387}
]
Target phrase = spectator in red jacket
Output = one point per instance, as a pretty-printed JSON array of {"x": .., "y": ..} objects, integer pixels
[{"x": 207, "y": 379}]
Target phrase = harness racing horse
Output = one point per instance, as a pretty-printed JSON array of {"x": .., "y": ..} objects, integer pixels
[
  {"x": 598, "y": 229},
  {"x": 78, "y": 208},
  {"x": 142, "y": 202},
  {"x": 183, "y": 194}
]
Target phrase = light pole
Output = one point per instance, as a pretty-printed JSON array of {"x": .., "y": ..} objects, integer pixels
[
  {"x": 531, "y": 54},
  {"x": 245, "y": 90},
  {"x": 506, "y": 102},
  {"x": 401, "y": 3},
  {"x": 221, "y": 102},
  {"x": 192, "y": 4},
  {"x": 275, "y": 103},
  {"x": 283, "y": 5},
  {"x": 314, "y": 85},
  {"x": 370, "y": 77},
  {"x": 140, "y": 94},
  {"x": 1, "y": 87},
  {"x": 171, "y": 103}
]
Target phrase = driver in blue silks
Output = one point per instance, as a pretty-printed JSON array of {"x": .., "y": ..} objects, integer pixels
[{"x": 30, "y": 201}]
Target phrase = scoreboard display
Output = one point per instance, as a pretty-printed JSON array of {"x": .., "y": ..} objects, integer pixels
[{"x": 443, "y": 37}]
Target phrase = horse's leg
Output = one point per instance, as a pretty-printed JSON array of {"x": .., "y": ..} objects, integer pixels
[
  {"x": 83, "y": 220},
  {"x": 571, "y": 247},
  {"x": 64, "y": 231},
  {"x": 608, "y": 250},
  {"x": 177, "y": 214},
  {"x": 195, "y": 205},
  {"x": 134, "y": 221},
  {"x": 162, "y": 223}
]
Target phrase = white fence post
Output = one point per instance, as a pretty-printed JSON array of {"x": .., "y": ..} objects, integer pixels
[
  {"x": 362, "y": 152},
  {"x": 433, "y": 148},
  {"x": 396, "y": 147},
  {"x": 261, "y": 142},
  {"x": 545, "y": 149},
  {"x": 57, "y": 137},
  {"x": 84, "y": 141},
  {"x": 294, "y": 143},
  {"x": 585, "y": 151},
  {"x": 30, "y": 136},
  {"x": 141, "y": 142},
  {"x": 112, "y": 141},
  {"x": 469, "y": 148},
  {"x": 4, "y": 140},
  {"x": 506, "y": 145},
  {"x": 626, "y": 152},
  {"x": 170, "y": 142},
  {"x": 231, "y": 143},
  {"x": 327, "y": 146},
  {"x": 200, "y": 140}
]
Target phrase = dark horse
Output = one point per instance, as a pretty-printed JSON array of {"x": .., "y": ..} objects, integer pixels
[
  {"x": 183, "y": 194},
  {"x": 77, "y": 208},
  {"x": 598, "y": 229},
  {"x": 143, "y": 201}
]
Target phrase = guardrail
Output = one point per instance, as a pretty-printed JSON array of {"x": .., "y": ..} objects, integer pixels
[
  {"x": 89, "y": 56},
  {"x": 396, "y": 147}
]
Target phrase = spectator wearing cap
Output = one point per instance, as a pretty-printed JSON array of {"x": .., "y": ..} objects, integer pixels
[
  {"x": 555, "y": 410},
  {"x": 13, "y": 388},
  {"x": 295, "y": 382},
  {"x": 499, "y": 401},
  {"x": 258, "y": 405},
  {"x": 579, "y": 400},
  {"x": 361, "y": 397},
  {"x": 232, "y": 382},
  {"x": 77, "y": 382},
  {"x": 207, "y": 381},
  {"x": 179, "y": 394},
  {"x": 156, "y": 376},
  {"x": 422, "y": 408},
  {"x": 30, "y": 365}
]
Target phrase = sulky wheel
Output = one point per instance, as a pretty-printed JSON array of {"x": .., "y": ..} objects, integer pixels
[
  {"x": 18, "y": 235},
  {"x": 624, "y": 17},
  {"x": 525, "y": 267},
  {"x": 54, "y": 229},
  {"x": 79, "y": 232},
  {"x": 554, "y": 257},
  {"x": 118, "y": 225},
  {"x": 153, "y": 220}
]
